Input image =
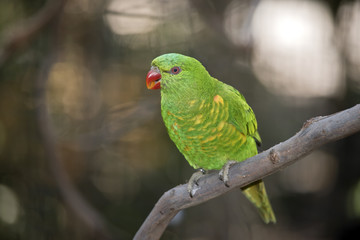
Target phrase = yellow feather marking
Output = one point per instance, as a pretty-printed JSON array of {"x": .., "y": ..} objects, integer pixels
[
  {"x": 202, "y": 104},
  {"x": 207, "y": 124},
  {"x": 191, "y": 129},
  {"x": 232, "y": 129},
  {"x": 198, "y": 119},
  {"x": 187, "y": 148},
  {"x": 219, "y": 99},
  {"x": 194, "y": 137},
  {"x": 171, "y": 114},
  {"x": 236, "y": 142},
  {"x": 192, "y": 102},
  {"x": 242, "y": 138},
  {"x": 226, "y": 114},
  {"x": 174, "y": 129},
  {"x": 239, "y": 139},
  {"x": 220, "y": 125},
  {"x": 211, "y": 138},
  {"x": 216, "y": 111},
  {"x": 208, "y": 149}
]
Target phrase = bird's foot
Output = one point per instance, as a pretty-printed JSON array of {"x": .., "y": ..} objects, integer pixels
[
  {"x": 224, "y": 172},
  {"x": 193, "y": 185}
]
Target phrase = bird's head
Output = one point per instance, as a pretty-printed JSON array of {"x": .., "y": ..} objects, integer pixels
[{"x": 173, "y": 69}]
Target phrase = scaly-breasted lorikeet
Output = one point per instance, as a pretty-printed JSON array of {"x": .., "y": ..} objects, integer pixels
[{"x": 208, "y": 120}]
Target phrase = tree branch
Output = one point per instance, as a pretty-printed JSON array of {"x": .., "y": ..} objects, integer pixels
[{"x": 315, "y": 133}]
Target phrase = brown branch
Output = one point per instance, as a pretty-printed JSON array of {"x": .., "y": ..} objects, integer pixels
[
  {"x": 21, "y": 34},
  {"x": 315, "y": 133}
]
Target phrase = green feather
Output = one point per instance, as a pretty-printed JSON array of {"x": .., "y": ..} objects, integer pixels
[{"x": 209, "y": 121}]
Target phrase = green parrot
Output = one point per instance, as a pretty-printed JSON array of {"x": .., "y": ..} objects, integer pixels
[{"x": 208, "y": 120}]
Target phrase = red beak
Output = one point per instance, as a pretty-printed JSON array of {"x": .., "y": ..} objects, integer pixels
[{"x": 153, "y": 79}]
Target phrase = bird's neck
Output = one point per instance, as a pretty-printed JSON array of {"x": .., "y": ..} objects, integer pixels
[{"x": 180, "y": 97}]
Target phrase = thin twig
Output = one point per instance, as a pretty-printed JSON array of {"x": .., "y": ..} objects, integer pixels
[{"x": 315, "y": 133}]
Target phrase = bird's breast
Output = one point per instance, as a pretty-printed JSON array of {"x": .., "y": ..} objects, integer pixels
[{"x": 201, "y": 130}]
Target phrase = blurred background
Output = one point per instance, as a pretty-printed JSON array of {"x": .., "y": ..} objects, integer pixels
[{"x": 84, "y": 153}]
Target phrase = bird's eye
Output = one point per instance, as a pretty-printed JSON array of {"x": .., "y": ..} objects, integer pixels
[{"x": 175, "y": 70}]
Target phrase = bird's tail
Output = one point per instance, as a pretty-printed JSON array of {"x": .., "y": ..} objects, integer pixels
[{"x": 256, "y": 193}]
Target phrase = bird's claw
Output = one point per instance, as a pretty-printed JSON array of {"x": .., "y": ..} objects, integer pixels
[
  {"x": 193, "y": 185},
  {"x": 224, "y": 172}
]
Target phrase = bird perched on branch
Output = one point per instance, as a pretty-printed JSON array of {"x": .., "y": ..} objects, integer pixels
[{"x": 208, "y": 120}]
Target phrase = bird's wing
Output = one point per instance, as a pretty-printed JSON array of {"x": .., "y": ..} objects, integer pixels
[{"x": 240, "y": 113}]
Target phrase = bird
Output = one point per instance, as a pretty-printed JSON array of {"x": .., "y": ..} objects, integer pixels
[{"x": 209, "y": 121}]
